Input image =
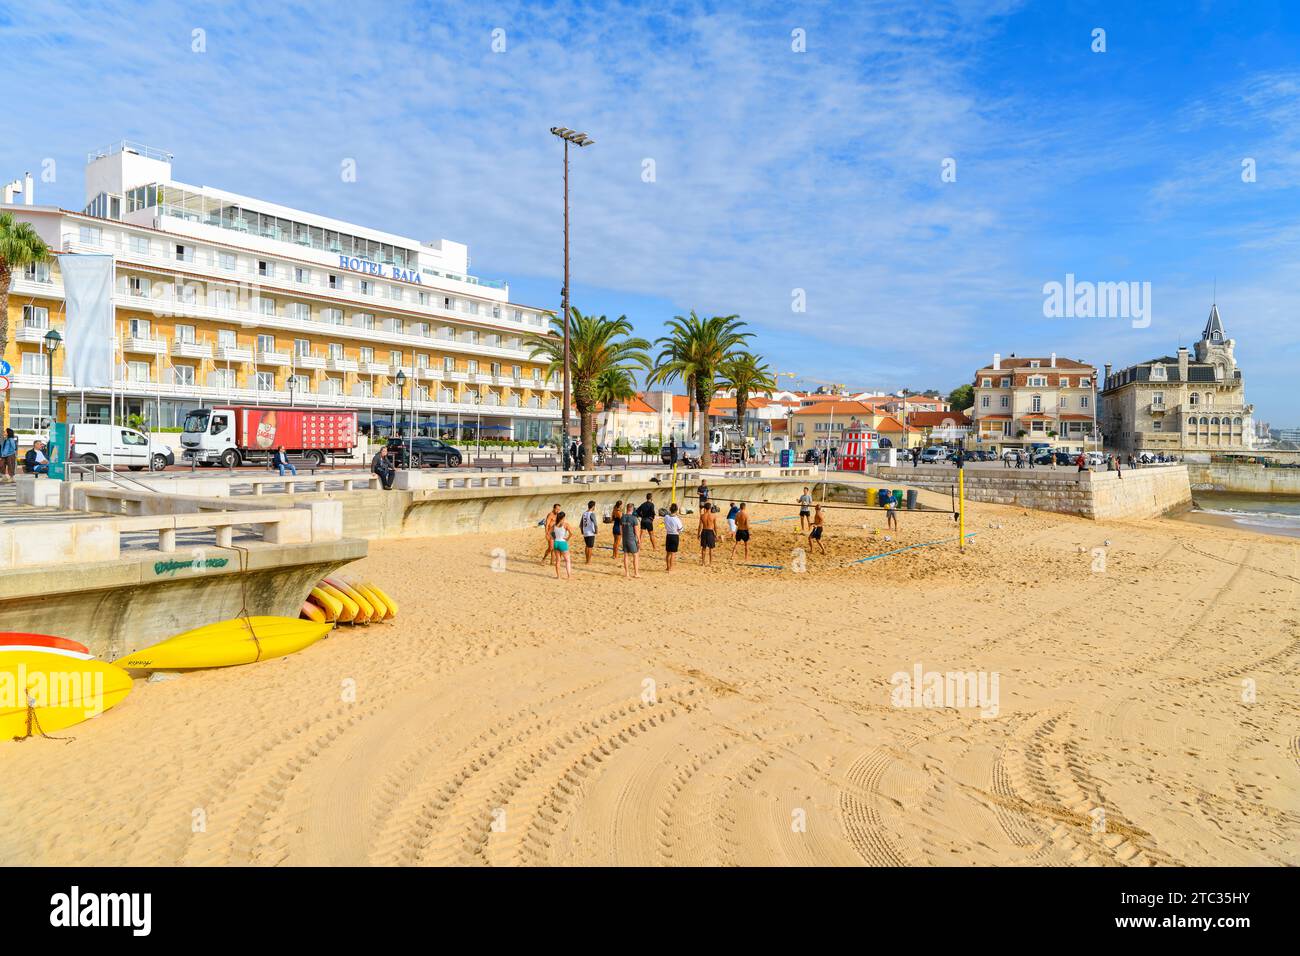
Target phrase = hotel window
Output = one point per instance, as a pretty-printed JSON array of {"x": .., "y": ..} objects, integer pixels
[
  {"x": 331, "y": 316},
  {"x": 334, "y": 281},
  {"x": 331, "y": 386},
  {"x": 984, "y": 401},
  {"x": 362, "y": 390},
  {"x": 223, "y": 299},
  {"x": 183, "y": 375},
  {"x": 422, "y": 298},
  {"x": 226, "y": 339},
  {"x": 36, "y": 317},
  {"x": 90, "y": 235},
  {"x": 493, "y": 340},
  {"x": 395, "y": 358},
  {"x": 395, "y": 293},
  {"x": 446, "y": 395},
  {"x": 496, "y": 368},
  {"x": 518, "y": 315},
  {"x": 446, "y": 332},
  {"x": 367, "y": 355},
  {"x": 185, "y": 333},
  {"x": 301, "y": 347},
  {"x": 184, "y": 253},
  {"x": 139, "y": 328},
  {"x": 422, "y": 393},
  {"x": 1036, "y": 403},
  {"x": 515, "y": 371},
  {"x": 222, "y": 378},
  {"x": 265, "y": 268},
  {"x": 265, "y": 382},
  {"x": 471, "y": 336},
  {"x": 33, "y": 363},
  {"x": 266, "y": 306},
  {"x": 471, "y": 307},
  {"x": 496, "y": 311},
  {"x": 266, "y": 343},
  {"x": 472, "y": 366},
  {"x": 301, "y": 275},
  {"x": 398, "y": 326},
  {"x": 137, "y": 371},
  {"x": 1004, "y": 401},
  {"x": 140, "y": 246},
  {"x": 448, "y": 302},
  {"x": 137, "y": 286},
  {"x": 363, "y": 320},
  {"x": 366, "y": 287},
  {"x": 448, "y": 363},
  {"x": 300, "y": 311},
  {"x": 421, "y": 329},
  {"x": 537, "y": 374},
  {"x": 422, "y": 361},
  {"x": 226, "y": 260},
  {"x": 336, "y": 351}
]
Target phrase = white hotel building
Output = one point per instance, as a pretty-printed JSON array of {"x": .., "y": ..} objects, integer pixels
[{"x": 224, "y": 298}]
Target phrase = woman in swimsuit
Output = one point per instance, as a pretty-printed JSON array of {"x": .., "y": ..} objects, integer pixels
[
  {"x": 617, "y": 518},
  {"x": 560, "y": 535}
]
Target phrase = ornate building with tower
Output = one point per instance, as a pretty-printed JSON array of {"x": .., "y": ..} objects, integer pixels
[{"x": 1180, "y": 404}]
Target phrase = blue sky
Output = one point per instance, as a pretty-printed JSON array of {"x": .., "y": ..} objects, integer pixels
[{"x": 774, "y": 170}]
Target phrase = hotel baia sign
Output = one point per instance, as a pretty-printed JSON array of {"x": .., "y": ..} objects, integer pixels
[{"x": 353, "y": 264}]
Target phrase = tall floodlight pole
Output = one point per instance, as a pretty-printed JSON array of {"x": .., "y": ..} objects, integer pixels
[{"x": 577, "y": 139}]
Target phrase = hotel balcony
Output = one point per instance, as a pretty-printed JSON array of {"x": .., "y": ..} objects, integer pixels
[
  {"x": 31, "y": 333},
  {"x": 458, "y": 376},
  {"x": 341, "y": 365},
  {"x": 144, "y": 344},
  {"x": 431, "y": 374},
  {"x": 232, "y": 353},
  {"x": 374, "y": 368},
  {"x": 272, "y": 358},
  {"x": 198, "y": 350},
  {"x": 309, "y": 361}
]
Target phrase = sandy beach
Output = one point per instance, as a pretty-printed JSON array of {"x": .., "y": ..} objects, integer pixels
[{"x": 732, "y": 715}]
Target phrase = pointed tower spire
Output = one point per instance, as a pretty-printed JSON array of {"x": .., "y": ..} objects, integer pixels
[{"x": 1213, "y": 327}]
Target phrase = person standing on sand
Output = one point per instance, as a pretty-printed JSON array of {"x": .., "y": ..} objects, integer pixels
[
  {"x": 731, "y": 521},
  {"x": 547, "y": 524},
  {"x": 672, "y": 534},
  {"x": 617, "y": 517},
  {"x": 815, "y": 535},
  {"x": 742, "y": 531},
  {"x": 630, "y": 545},
  {"x": 702, "y": 493},
  {"x": 891, "y": 514},
  {"x": 587, "y": 526},
  {"x": 646, "y": 512},
  {"x": 805, "y": 503},
  {"x": 708, "y": 534},
  {"x": 560, "y": 535}
]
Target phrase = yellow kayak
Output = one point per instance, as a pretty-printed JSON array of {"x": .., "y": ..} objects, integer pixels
[
  {"x": 348, "y": 607},
  {"x": 312, "y": 612},
  {"x": 383, "y": 596},
  {"x": 61, "y": 690},
  {"x": 331, "y": 605},
  {"x": 382, "y": 613},
  {"x": 226, "y": 643},
  {"x": 365, "y": 610}
]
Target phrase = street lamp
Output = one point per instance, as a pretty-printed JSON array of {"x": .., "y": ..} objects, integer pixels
[
  {"x": 52, "y": 340},
  {"x": 293, "y": 380},
  {"x": 401, "y": 399},
  {"x": 577, "y": 139}
]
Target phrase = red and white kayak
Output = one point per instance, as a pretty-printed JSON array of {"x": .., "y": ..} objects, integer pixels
[{"x": 46, "y": 643}]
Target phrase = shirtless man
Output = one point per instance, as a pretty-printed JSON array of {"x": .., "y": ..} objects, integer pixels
[
  {"x": 742, "y": 531},
  {"x": 548, "y": 525},
  {"x": 708, "y": 534}
]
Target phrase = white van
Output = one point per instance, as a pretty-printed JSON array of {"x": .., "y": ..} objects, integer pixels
[{"x": 90, "y": 444}]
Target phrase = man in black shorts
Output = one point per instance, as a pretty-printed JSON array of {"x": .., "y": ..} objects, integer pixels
[
  {"x": 646, "y": 512},
  {"x": 672, "y": 534},
  {"x": 742, "y": 531},
  {"x": 587, "y": 526}
]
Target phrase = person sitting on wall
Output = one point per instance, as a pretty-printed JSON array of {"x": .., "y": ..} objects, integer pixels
[
  {"x": 35, "y": 462},
  {"x": 382, "y": 466},
  {"x": 280, "y": 461}
]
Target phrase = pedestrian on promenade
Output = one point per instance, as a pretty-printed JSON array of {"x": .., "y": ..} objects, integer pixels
[{"x": 8, "y": 455}]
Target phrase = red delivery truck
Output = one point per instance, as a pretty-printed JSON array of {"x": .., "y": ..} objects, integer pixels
[{"x": 234, "y": 434}]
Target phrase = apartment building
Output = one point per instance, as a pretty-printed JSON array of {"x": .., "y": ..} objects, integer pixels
[
  {"x": 1021, "y": 402},
  {"x": 225, "y": 298}
]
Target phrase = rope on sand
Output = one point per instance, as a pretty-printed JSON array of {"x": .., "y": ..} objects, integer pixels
[
  {"x": 910, "y": 547},
  {"x": 772, "y": 567}
]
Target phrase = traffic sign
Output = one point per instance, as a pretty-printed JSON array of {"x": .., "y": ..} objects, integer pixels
[
  {"x": 5, "y": 367},
  {"x": 4, "y": 383}
]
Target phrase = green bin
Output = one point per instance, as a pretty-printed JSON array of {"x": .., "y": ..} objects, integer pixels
[{"x": 898, "y": 498}]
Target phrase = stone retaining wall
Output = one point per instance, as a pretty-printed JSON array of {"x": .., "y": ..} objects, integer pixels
[{"x": 1248, "y": 479}]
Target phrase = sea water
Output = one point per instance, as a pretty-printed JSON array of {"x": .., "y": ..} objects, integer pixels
[{"x": 1269, "y": 514}]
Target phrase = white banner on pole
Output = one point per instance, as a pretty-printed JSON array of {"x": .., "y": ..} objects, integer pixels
[{"x": 88, "y": 333}]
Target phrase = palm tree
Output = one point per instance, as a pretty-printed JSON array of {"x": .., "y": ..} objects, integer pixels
[
  {"x": 19, "y": 246},
  {"x": 748, "y": 375},
  {"x": 596, "y": 345},
  {"x": 613, "y": 386},
  {"x": 694, "y": 350}
]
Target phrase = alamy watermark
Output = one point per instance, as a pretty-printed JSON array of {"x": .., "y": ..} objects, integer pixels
[
  {"x": 934, "y": 689},
  {"x": 1098, "y": 300}
]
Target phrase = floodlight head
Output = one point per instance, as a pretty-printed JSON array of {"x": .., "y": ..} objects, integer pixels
[{"x": 577, "y": 139}]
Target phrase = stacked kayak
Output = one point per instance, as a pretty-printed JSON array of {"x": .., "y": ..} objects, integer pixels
[
  {"x": 334, "y": 600},
  {"x": 227, "y": 643}
]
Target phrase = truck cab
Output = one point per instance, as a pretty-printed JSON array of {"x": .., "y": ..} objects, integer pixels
[{"x": 208, "y": 437}]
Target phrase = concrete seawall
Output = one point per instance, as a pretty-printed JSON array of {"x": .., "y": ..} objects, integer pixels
[
  {"x": 1144, "y": 493},
  {"x": 1247, "y": 479}
]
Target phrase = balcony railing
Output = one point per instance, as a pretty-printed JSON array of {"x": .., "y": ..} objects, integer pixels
[
  {"x": 144, "y": 344},
  {"x": 185, "y": 349},
  {"x": 233, "y": 353},
  {"x": 267, "y": 357}
]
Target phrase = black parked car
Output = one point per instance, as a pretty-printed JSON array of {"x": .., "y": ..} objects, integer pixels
[{"x": 425, "y": 453}]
